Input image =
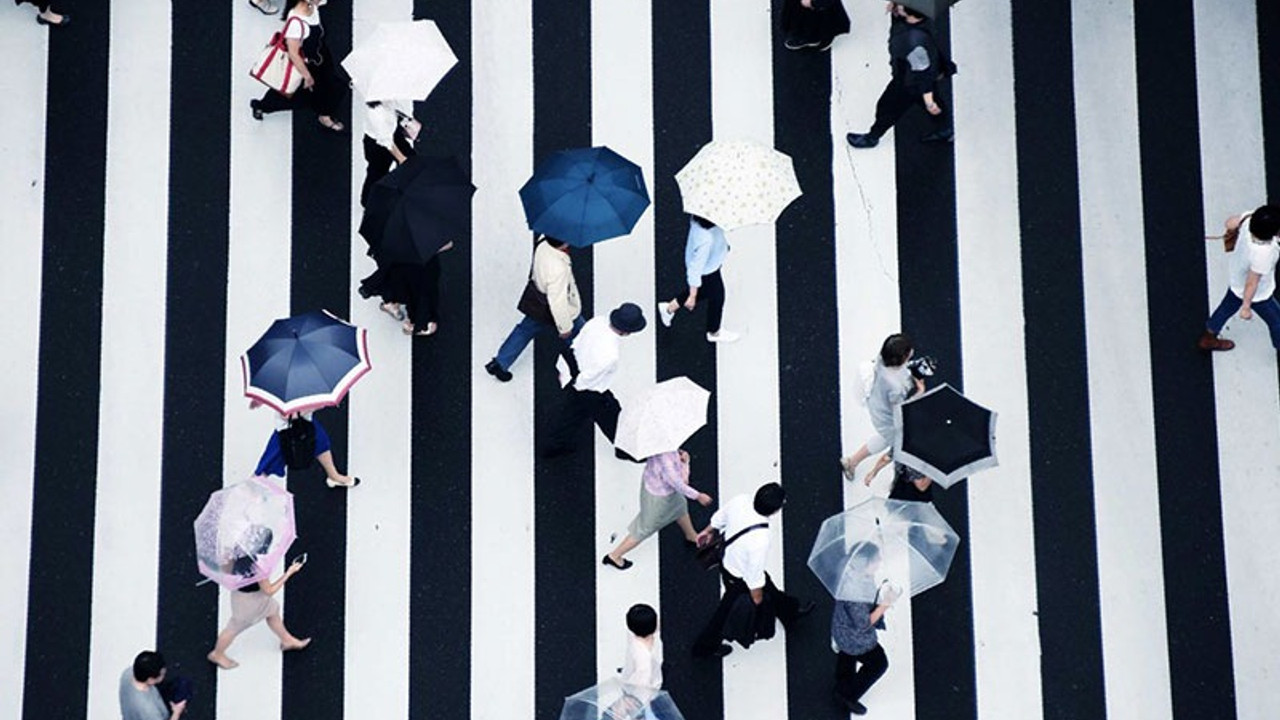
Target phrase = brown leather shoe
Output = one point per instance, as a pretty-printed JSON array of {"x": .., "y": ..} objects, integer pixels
[{"x": 1210, "y": 342}]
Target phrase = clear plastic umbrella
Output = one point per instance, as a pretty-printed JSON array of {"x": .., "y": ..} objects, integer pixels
[
  {"x": 880, "y": 543},
  {"x": 734, "y": 183},
  {"x": 400, "y": 61},
  {"x": 616, "y": 700},
  {"x": 244, "y": 531},
  {"x": 661, "y": 418}
]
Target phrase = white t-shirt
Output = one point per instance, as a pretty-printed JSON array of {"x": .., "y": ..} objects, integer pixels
[
  {"x": 643, "y": 666},
  {"x": 746, "y": 557},
  {"x": 300, "y": 30},
  {"x": 1250, "y": 255}
]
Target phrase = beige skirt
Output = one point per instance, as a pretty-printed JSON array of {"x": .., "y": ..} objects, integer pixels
[
  {"x": 656, "y": 513},
  {"x": 249, "y": 609}
]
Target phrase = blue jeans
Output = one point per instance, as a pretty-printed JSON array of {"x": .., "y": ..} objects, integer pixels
[
  {"x": 524, "y": 331},
  {"x": 1268, "y": 310}
]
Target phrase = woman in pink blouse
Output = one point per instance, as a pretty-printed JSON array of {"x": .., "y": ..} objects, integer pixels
[{"x": 663, "y": 489}]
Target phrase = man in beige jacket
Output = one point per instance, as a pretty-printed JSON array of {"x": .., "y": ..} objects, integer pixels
[{"x": 557, "y": 306}]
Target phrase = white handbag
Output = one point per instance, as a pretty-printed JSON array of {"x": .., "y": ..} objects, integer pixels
[{"x": 274, "y": 68}]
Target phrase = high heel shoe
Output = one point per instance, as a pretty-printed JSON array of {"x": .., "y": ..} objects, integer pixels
[
  {"x": 332, "y": 484},
  {"x": 66, "y": 20}
]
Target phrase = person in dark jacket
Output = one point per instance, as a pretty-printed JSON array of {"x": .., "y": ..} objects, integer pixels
[
  {"x": 917, "y": 65},
  {"x": 860, "y": 661},
  {"x": 813, "y": 24}
]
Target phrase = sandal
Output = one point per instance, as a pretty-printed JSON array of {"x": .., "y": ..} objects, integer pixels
[
  {"x": 264, "y": 6},
  {"x": 333, "y": 126},
  {"x": 395, "y": 311},
  {"x": 408, "y": 329}
]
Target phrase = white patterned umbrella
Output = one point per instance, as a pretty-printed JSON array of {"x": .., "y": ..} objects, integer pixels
[
  {"x": 662, "y": 418},
  {"x": 735, "y": 183},
  {"x": 400, "y": 61}
]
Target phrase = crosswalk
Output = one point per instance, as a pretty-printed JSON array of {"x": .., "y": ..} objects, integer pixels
[{"x": 1114, "y": 566}]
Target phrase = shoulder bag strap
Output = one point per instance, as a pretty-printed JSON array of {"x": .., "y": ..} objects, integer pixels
[{"x": 744, "y": 531}]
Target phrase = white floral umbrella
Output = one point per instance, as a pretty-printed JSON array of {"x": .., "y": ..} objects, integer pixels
[
  {"x": 735, "y": 183},
  {"x": 661, "y": 418},
  {"x": 400, "y": 61}
]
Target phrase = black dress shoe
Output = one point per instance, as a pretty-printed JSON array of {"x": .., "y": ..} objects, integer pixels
[
  {"x": 66, "y": 20},
  {"x": 939, "y": 136},
  {"x": 862, "y": 140},
  {"x": 256, "y": 108},
  {"x": 626, "y": 564},
  {"x": 496, "y": 370},
  {"x": 852, "y": 706}
]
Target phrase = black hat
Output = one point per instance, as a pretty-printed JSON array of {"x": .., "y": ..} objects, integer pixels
[{"x": 628, "y": 318}]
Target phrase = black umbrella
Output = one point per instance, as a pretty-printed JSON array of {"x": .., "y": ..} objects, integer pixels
[
  {"x": 417, "y": 208},
  {"x": 945, "y": 435}
]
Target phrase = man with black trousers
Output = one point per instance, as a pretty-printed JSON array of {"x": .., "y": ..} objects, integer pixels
[
  {"x": 917, "y": 65},
  {"x": 744, "y": 523}
]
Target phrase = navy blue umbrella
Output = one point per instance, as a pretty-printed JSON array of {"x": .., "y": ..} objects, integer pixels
[
  {"x": 584, "y": 196},
  {"x": 305, "y": 362}
]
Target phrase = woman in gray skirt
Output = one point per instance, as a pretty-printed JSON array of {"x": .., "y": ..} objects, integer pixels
[
  {"x": 663, "y": 489},
  {"x": 251, "y": 605}
]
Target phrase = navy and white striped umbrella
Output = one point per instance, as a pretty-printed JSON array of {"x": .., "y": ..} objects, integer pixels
[{"x": 305, "y": 362}]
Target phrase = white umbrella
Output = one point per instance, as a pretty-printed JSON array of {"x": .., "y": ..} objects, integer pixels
[
  {"x": 734, "y": 183},
  {"x": 662, "y": 418},
  {"x": 400, "y": 61}
]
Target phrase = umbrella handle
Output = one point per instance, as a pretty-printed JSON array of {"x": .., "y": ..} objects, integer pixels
[{"x": 204, "y": 581}]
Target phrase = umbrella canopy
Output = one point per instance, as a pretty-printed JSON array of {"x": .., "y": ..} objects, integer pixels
[
  {"x": 584, "y": 196},
  {"x": 417, "y": 208},
  {"x": 305, "y": 362},
  {"x": 662, "y": 418},
  {"x": 928, "y": 8},
  {"x": 244, "y": 531},
  {"x": 883, "y": 542},
  {"x": 734, "y": 183},
  {"x": 400, "y": 61},
  {"x": 945, "y": 435},
  {"x": 616, "y": 700}
]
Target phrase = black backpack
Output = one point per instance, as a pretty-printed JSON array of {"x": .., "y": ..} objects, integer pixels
[{"x": 298, "y": 443}]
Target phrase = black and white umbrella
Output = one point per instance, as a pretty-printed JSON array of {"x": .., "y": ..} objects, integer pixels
[{"x": 945, "y": 435}]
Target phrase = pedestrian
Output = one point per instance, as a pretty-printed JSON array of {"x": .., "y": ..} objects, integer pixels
[
  {"x": 323, "y": 89},
  {"x": 860, "y": 661},
  {"x": 266, "y": 7},
  {"x": 148, "y": 693},
  {"x": 664, "y": 487},
  {"x": 909, "y": 484},
  {"x": 643, "y": 664},
  {"x": 254, "y": 603},
  {"x": 917, "y": 65},
  {"x": 586, "y": 375},
  {"x": 293, "y": 437},
  {"x": 812, "y": 24},
  {"x": 704, "y": 254},
  {"x": 45, "y": 14},
  {"x": 386, "y": 140},
  {"x": 550, "y": 302},
  {"x": 1252, "y": 283},
  {"x": 891, "y": 384},
  {"x": 410, "y": 293},
  {"x": 744, "y": 523}
]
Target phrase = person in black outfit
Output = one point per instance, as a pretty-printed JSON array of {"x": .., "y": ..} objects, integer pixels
[
  {"x": 47, "y": 16},
  {"x": 813, "y": 23},
  {"x": 323, "y": 89},
  {"x": 385, "y": 143},
  {"x": 917, "y": 66}
]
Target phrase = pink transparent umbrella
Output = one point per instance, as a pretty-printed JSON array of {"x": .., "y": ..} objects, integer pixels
[{"x": 243, "y": 532}]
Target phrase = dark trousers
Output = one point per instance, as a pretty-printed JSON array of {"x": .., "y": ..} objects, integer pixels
[
  {"x": 424, "y": 304},
  {"x": 785, "y": 606},
  {"x": 856, "y": 673},
  {"x": 579, "y": 408},
  {"x": 176, "y": 689},
  {"x": 711, "y": 293},
  {"x": 324, "y": 97},
  {"x": 895, "y": 101},
  {"x": 378, "y": 161}
]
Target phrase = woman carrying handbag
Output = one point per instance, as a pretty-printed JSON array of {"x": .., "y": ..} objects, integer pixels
[{"x": 322, "y": 88}]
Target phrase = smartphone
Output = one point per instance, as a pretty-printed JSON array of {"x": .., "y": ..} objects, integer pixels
[{"x": 301, "y": 559}]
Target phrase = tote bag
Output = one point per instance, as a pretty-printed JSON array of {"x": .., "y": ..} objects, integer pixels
[{"x": 274, "y": 68}]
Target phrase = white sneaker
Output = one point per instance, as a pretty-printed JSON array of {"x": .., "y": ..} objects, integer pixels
[
  {"x": 664, "y": 314},
  {"x": 724, "y": 336}
]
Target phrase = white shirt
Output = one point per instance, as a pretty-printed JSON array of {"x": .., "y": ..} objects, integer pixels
[
  {"x": 380, "y": 122},
  {"x": 643, "y": 665},
  {"x": 1253, "y": 256},
  {"x": 300, "y": 31},
  {"x": 596, "y": 349},
  {"x": 745, "y": 558}
]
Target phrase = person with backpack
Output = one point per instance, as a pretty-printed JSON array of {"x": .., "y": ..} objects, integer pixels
[
  {"x": 917, "y": 65},
  {"x": 297, "y": 441}
]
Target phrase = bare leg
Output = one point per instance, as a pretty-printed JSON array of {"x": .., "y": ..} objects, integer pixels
[
  {"x": 330, "y": 470},
  {"x": 287, "y": 640},
  {"x": 686, "y": 527},
  {"x": 881, "y": 462},
  {"x": 627, "y": 545},
  {"x": 851, "y": 463},
  {"x": 218, "y": 656}
]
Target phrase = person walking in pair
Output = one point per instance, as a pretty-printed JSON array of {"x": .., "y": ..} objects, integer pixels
[
  {"x": 704, "y": 254},
  {"x": 550, "y": 302},
  {"x": 387, "y": 139},
  {"x": 664, "y": 487},
  {"x": 1252, "y": 281}
]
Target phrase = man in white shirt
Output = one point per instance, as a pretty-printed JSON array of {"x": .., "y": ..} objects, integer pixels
[
  {"x": 586, "y": 374},
  {"x": 744, "y": 522},
  {"x": 1253, "y": 278}
]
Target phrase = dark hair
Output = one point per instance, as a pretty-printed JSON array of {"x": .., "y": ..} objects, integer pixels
[
  {"x": 912, "y": 12},
  {"x": 1265, "y": 222},
  {"x": 642, "y": 620},
  {"x": 769, "y": 499},
  {"x": 288, "y": 6},
  {"x": 896, "y": 349},
  {"x": 705, "y": 223},
  {"x": 863, "y": 555},
  {"x": 147, "y": 665}
]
